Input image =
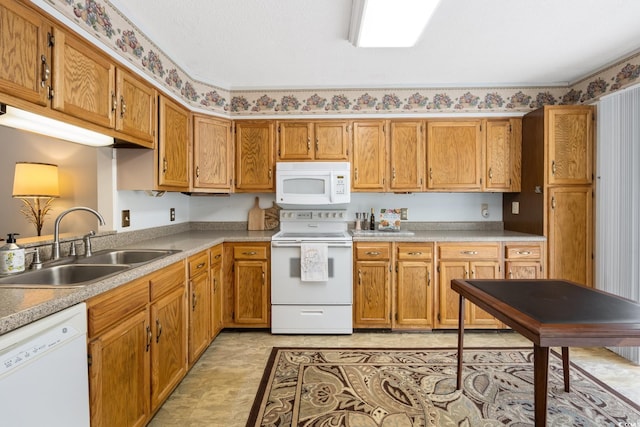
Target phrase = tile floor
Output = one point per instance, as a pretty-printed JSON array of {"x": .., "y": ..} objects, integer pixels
[{"x": 220, "y": 389}]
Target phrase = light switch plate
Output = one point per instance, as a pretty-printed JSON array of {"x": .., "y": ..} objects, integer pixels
[
  {"x": 515, "y": 208},
  {"x": 126, "y": 218}
]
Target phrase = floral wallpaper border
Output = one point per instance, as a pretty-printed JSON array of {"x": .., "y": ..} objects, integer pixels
[{"x": 113, "y": 29}]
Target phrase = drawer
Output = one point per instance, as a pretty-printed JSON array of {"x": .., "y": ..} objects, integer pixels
[
  {"x": 523, "y": 252},
  {"x": 114, "y": 306},
  {"x": 216, "y": 255},
  {"x": 249, "y": 252},
  {"x": 166, "y": 280},
  {"x": 373, "y": 251},
  {"x": 470, "y": 251},
  {"x": 198, "y": 263},
  {"x": 318, "y": 319},
  {"x": 409, "y": 252}
]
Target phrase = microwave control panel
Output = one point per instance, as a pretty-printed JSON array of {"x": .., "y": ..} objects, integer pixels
[{"x": 341, "y": 184}]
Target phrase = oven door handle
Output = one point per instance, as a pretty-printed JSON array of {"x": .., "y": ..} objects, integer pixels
[{"x": 277, "y": 244}]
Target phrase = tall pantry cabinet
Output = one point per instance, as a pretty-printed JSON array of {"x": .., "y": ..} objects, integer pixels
[{"x": 557, "y": 188}]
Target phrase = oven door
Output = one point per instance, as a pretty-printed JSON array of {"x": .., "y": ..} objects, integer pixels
[{"x": 287, "y": 286}]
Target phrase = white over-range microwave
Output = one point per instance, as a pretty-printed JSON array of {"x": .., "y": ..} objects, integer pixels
[{"x": 313, "y": 183}]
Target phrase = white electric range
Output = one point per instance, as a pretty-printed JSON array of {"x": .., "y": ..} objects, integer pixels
[{"x": 318, "y": 301}]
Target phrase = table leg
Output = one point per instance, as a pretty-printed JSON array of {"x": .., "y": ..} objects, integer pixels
[
  {"x": 540, "y": 377},
  {"x": 565, "y": 367},
  {"x": 460, "y": 342}
]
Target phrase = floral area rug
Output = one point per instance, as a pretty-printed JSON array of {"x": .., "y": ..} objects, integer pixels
[{"x": 333, "y": 387}]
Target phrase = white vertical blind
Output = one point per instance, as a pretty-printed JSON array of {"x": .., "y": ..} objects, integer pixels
[{"x": 618, "y": 199}]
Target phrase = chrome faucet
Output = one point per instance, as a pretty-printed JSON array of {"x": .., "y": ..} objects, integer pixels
[{"x": 55, "y": 254}]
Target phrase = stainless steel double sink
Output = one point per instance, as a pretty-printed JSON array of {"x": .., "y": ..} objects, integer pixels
[{"x": 80, "y": 271}]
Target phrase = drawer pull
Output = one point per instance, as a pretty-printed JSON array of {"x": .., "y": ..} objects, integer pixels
[
  {"x": 469, "y": 252},
  {"x": 200, "y": 265},
  {"x": 159, "y": 330},
  {"x": 523, "y": 252},
  {"x": 414, "y": 253},
  {"x": 194, "y": 300},
  {"x": 217, "y": 256},
  {"x": 373, "y": 253},
  {"x": 149, "y": 337},
  {"x": 249, "y": 253}
]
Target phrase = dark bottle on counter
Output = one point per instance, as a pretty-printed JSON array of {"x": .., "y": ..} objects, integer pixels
[{"x": 372, "y": 221}]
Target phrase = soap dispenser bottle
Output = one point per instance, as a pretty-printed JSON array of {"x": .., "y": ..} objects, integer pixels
[{"x": 11, "y": 256}]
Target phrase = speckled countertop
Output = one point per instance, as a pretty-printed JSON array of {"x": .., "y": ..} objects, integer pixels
[{"x": 20, "y": 306}]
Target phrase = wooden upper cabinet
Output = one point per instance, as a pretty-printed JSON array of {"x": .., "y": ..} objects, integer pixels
[
  {"x": 368, "y": 163},
  {"x": 173, "y": 145},
  {"x": 406, "y": 156},
  {"x": 497, "y": 170},
  {"x": 136, "y": 109},
  {"x": 25, "y": 64},
  {"x": 83, "y": 80},
  {"x": 321, "y": 140},
  {"x": 331, "y": 140},
  {"x": 255, "y": 141},
  {"x": 295, "y": 140},
  {"x": 454, "y": 154},
  {"x": 212, "y": 154},
  {"x": 570, "y": 144}
]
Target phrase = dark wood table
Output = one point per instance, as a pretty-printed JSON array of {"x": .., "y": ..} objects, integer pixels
[{"x": 551, "y": 313}]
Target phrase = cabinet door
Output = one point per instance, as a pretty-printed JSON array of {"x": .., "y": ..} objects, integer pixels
[
  {"x": 414, "y": 294},
  {"x": 119, "y": 374},
  {"x": 26, "y": 58},
  {"x": 83, "y": 81},
  {"x": 523, "y": 270},
  {"x": 483, "y": 270},
  {"x": 406, "y": 154},
  {"x": 254, "y": 156},
  {"x": 212, "y": 154},
  {"x": 216, "y": 284},
  {"x": 371, "y": 295},
  {"x": 570, "y": 145},
  {"x": 369, "y": 158},
  {"x": 332, "y": 140},
  {"x": 448, "y": 299},
  {"x": 251, "y": 292},
  {"x": 453, "y": 155},
  {"x": 173, "y": 150},
  {"x": 294, "y": 140},
  {"x": 498, "y": 156},
  {"x": 169, "y": 345},
  {"x": 570, "y": 241},
  {"x": 199, "y": 315},
  {"x": 137, "y": 112}
]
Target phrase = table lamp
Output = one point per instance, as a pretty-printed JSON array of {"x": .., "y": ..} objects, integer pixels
[{"x": 36, "y": 184}]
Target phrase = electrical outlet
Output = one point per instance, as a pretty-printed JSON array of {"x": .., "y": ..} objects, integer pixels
[
  {"x": 484, "y": 209},
  {"x": 126, "y": 218},
  {"x": 404, "y": 214},
  {"x": 172, "y": 214},
  {"x": 515, "y": 208}
]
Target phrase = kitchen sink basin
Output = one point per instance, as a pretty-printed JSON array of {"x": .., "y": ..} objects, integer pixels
[
  {"x": 67, "y": 275},
  {"x": 72, "y": 271},
  {"x": 125, "y": 256}
]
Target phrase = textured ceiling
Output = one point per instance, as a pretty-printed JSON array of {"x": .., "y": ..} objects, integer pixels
[{"x": 272, "y": 44}]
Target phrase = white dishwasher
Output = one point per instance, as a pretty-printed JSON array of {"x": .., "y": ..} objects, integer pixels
[{"x": 43, "y": 372}]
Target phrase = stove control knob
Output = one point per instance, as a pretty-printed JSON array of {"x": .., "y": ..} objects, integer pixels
[{"x": 334, "y": 215}]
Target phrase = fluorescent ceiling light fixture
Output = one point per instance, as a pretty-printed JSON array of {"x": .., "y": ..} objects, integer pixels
[
  {"x": 20, "y": 119},
  {"x": 389, "y": 23}
]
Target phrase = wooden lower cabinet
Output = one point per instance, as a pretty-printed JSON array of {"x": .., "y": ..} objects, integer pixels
[
  {"x": 413, "y": 286},
  {"x": 119, "y": 358},
  {"x": 465, "y": 261},
  {"x": 247, "y": 290},
  {"x": 137, "y": 344},
  {"x": 199, "y": 302},
  {"x": 372, "y": 285},
  {"x": 524, "y": 260}
]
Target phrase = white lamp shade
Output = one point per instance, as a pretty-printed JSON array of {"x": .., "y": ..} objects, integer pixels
[{"x": 36, "y": 180}]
